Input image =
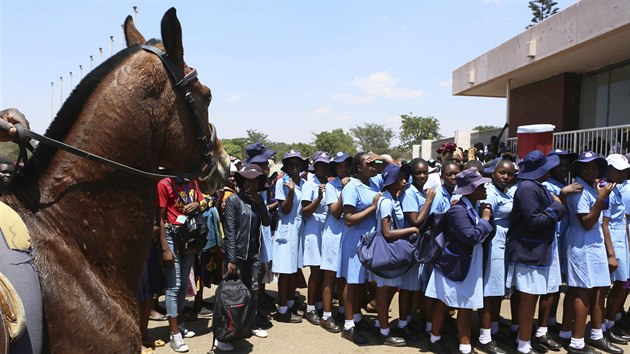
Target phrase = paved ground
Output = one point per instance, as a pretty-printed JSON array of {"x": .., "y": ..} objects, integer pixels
[{"x": 300, "y": 338}]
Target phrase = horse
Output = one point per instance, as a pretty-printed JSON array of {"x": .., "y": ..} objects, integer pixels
[{"x": 90, "y": 225}]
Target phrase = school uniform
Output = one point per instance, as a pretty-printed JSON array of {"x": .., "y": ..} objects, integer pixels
[
  {"x": 288, "y": 243},
  {"x": 457, "y": 278},
  {"x": 333, "y": 228},
  {"x": 411, "y": 201},
  {"x": 617, "y": 226},
  {"x": 531, "y": 238},
  {"x": 266, "y": 243},
  {"x": 494, "y": 272},
  {"x": 360, "y": 196},
  {"x": 560, "y": 255},
  {"x": 442, "y": 200},
  {"x": 587, "y": 260},
  {"x": 314, "y": 224},
  {"x": 388, "y": 206}
]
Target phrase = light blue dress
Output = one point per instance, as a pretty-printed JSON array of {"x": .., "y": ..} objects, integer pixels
[
  {"x": 494, "y": 274},
  {"x": 288, "y": 243},
  {"x": 587, "y": 261},
  {"x": 333, "y": 228},
  {"x": 266, "y": 245},
  {"x": 617, "y": 225},
  {"x": 442, "y": 200},
  {"x": 411, "y": 201},
  {"x": 388, "y": 206},
  {"x": 560, "y": 253},
  {"x": 314, "y": 225},
  {"x": 465, "y": 294},
  {"x": 360, "y": 196}
]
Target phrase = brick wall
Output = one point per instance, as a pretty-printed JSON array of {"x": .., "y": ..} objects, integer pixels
[{"x": 555, "y": 100}]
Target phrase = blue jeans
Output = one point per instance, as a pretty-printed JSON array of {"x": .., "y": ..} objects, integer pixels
[{"x": 176, "y": 277}]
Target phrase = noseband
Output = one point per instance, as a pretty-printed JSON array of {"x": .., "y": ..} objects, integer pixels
[{"x": 181, "y": 82}]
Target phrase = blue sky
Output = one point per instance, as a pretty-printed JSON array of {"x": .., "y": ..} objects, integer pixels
[{"x": 286, "y": 68}]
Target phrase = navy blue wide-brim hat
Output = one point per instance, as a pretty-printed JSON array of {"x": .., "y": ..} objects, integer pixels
[
  {"x": 251, "y": 171},
  {"x": 338, "y": 158},
  {"x": 586, "y": 157},
  {"x": 468, "y": 180},
  {"x": 535, "y": 165},
  {"x": 319, "y": 156},
  {"x": 563, "y": 153},
  {"x": 258, "y": 153},
  {"x": 391, "y": 173},
  {"x": 293, "y": 154}
]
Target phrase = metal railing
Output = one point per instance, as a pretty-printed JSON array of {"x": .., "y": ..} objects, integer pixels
[{"x": 603, "y": 141}]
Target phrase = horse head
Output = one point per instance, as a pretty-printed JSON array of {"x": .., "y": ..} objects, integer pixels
[{"x": 189, "y": 119}]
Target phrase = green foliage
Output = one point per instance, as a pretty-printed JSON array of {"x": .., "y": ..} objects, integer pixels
[
  {"x": 307, "y": 150},
  {"x": 414, "y": 129},
  {"x": 254, "y": 136},
  {"x": 9, "y": 151},
  {"x": 542, "y": 9},
  {"x": 373, "y": 137},
  {"x": 235, "y": 147},
  {"x": 482, "y": 128},
  {"x": 335, "y": 141}
]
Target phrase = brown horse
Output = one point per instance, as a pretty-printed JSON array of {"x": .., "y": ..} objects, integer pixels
[{"x": 90, "y": 225}]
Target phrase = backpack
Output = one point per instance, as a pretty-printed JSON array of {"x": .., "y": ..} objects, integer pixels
[
  {"x": 234, "y": 314},
  {"x": 432, "y": 238},
  {"x": 192, "y": 235}
]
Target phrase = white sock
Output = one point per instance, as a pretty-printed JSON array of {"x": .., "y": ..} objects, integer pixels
[
  {"x": 357, "y": 317},
  {"x": 319, "y": 305},
  {"x": 401, "y": 323},
  {"x": 341, "y": 309},
  {"x": 541, "y": 331},
  {"x": 484, "y": 335},
  {"x": 514, "y": 327},
  {"x": 494, "y": 327},
  {"x": 465, "y": 348},
  {"x": 596, "y": 333},
  {"x": 609, "y": 324},
  {"x": 429, "y": 327},
  {"x": 290, "y": 303},
  {"x": 577, "y": 343},
  {"x": 618, "y": 316},
  {"x": 347, "y": 324},
  {"x": 310, "y": 308},
  {"x": 385, "y": 331},
  {"x": 552, "y": 321},
  {"x": 524, "y": 346},
  {"x": 283, "y": 309},
  {"x": 434, "y": 339},
  {"x": 565, "y": 334},
  {"x": 326, "y": 315}
]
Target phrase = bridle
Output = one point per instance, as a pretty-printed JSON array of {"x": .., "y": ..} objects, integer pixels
[{"x": 181, "y": 82}]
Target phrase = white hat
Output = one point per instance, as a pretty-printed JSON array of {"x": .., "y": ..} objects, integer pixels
[
  {"x": 387, "y": 158},
  {"x": 618, "y": 161}
]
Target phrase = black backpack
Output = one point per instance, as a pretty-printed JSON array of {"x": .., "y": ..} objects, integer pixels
[
  {"x": 192, "y": 235},
  {"x": 432, "y": 238},
  {"x": 234, "y": 315}
]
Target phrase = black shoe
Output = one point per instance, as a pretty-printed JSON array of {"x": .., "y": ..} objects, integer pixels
[
  {"x": 313, "y": 317},
  {"x": 297, "y": 310},
  {"x": 473, "y": 351},
  {"x": 505, "y": 337},
  {"x": 614, "y": 338},
  {"x": 605, "y": 345},
  {"x": 390, "y": 340},
  {"x": 406, "y": 333},
  {"x": 330, "y": 325},
  {"x": 546, "y": 342},
  {"x": 619, "y": 332},
  {"x": 287, "y": 317},
  {"x": 531, "y": 351},
  {"x": 353, "y": 336},
  {"x": 339, "y": 317},
  {"x": 585, "y": 350},
  {"x": 262, "y": 321},
  {"x": 438, "y": 347},
  {"x": 565, "y": 342},
  {"x": 491, "y": 348},
  {"x": 363, "y": 325}
]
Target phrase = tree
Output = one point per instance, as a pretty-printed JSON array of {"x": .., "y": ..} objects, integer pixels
[
  {"x": 254, "y": 136},
  {"x": 307, "y": 150},
  {"x": 542, "y": 9},
  {"x": 235, "y": 147},
  {"x": 335, "y": 141},
  {"x": 373, "y": 137},
  {"x": 482, "y": 128},
  {"x": 414, "y": 129}
]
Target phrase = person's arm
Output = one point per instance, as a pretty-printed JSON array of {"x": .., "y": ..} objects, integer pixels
[
  {"x": 287, "y": 204},
  {"x": 388, "y": 233},
  {"x": 588, "y": 220},
  {"x": 309, "y": 206},
  {"x": 569, "y": 189},
  {"x": 462, "y": 227},
  {"x": 336, "y": 208},
  {"x": 230, "y": 231},
  {"x": 258, "y": 203},
  {"x": 535, "y": 215},
  {"x": 8, "y": 118},
  {"x": 167, "y": 255},
  {"x": 610, "y": 250},
  {"x": 351, "y": 217},
  {"x": 417, "y": 218}
]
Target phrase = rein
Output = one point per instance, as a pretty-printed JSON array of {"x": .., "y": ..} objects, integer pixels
[{"x": 181, "y": 81}]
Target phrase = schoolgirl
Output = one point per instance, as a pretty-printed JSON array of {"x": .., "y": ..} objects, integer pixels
[
  {"x": 444, "y": 194},
  {"x": 288, "y": 244},
  {"x": 531, "y": 240},
  {"x": 339, "y": 168},
  {"x": 457, "y": 278},
  {"x": 500, "y": 198},
  {"x": 614, "y": 224},
  {"x": 417, "y": 203},
  {"x": 314, "y": 212},
  {"x": 390, "y": 221},
  {"x": 587, "y": 258},
  {"x": 360, "y": 197}
]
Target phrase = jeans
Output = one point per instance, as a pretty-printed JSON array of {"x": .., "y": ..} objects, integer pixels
[{"x": 176, "y": 277}]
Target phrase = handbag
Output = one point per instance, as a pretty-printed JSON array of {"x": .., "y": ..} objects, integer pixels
[
  {"x": 192, "y": 234},
  {"x": 387, "y": 258},
  {"x": 432, "y": 238}
]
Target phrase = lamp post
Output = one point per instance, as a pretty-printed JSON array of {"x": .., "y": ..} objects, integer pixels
[
  {"x": 52, "y": 100},
  {"x": 60, "y": 90},
  {"x": 135, "y": 14},
  {"x": 71, "y": 80},
  {"x": 100, "y": 50},
  {"x": 111, "y": 45},
  {"x": 91, "y": 60},
  {"x": 122, "y": 43},
  {"x": 80, "y": 72}
]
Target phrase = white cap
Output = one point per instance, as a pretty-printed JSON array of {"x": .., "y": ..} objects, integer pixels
[{"x": 618, "y": 161}]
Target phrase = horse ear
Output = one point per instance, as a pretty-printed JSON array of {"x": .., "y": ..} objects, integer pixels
[
  {"x": 172, "y": 38},
  {"x": 132, "y": 35}
]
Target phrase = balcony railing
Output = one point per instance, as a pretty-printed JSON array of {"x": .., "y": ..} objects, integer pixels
[{"x": 604, "y": 141}]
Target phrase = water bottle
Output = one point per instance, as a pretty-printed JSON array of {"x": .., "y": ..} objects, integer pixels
[{"x": 603, "y": 183}]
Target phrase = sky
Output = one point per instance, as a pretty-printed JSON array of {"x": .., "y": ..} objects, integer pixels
[{"x": 289, "y": 69}]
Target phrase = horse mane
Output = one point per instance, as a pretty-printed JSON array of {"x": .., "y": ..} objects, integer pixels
[{"x": 70, "y": 111}]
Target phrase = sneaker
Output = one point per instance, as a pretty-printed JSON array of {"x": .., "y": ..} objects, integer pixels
[
  {"x": 204, "y": 313},
  {"x": 177, "y": 343},
  {"x": 223, "y": 346},
  {"x": 186, "y": 333},
  {"x": 260, "y": 333}
]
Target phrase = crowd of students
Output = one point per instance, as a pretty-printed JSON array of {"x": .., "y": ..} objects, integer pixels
[{"x": 517, "y": 228}]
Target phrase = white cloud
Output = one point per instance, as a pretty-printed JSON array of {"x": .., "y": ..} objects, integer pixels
[
  {"x": 379, "y": 84},
  {"x": 382, "y": 19},
  {"x": 445, "y": 83},
  {"x": 353, "y": 98},
  {"x": 234, "y": 97}
]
